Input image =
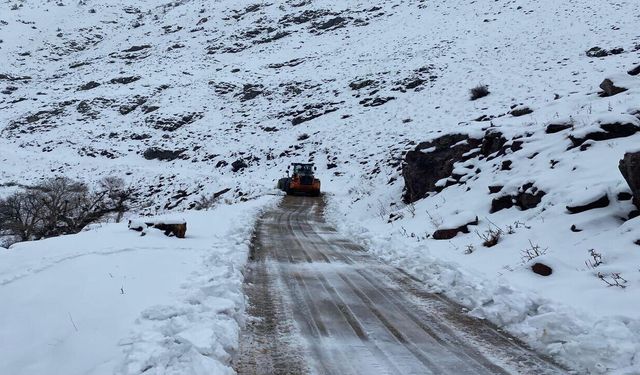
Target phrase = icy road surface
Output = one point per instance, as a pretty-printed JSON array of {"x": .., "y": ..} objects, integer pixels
[{"x": 319, "y": 304}]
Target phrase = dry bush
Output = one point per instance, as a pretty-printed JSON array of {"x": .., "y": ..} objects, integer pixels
[
  {"x": 595, "y": 261},
  {"x": 490, "y": 237},
  {"x": 479, "y": 91},
  {"x": 532, "y": 252},
  {"x": 60, "y": 206},
  {"x": 613, "y": 279}
]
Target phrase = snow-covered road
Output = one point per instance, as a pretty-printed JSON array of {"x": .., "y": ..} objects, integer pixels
[{"x": 318, "y": 303}]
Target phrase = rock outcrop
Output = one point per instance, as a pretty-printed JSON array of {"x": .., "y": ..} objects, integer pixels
[
  {"x": 432, "y": 161},
  {"x": 630, "y": 168}
]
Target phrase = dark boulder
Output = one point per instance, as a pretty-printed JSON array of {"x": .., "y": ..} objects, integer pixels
[
  {"x": 527, "y": 197},
  {"x": 495, "y": 189},
  {"x": 250, "y": 91},
  {"x": 447, "y": 234},
  {"x": 555, "y": 128},
  {"x": 597, "y": 52},
  {"x": 635, "y": 71},
  {"x": 124, "y": 80},
  {"x": 542, "y": 269},
  {"x": 501, "y": 203},
  {"x": 610, "y": 89},
  {"x": 630, "y": 168},
  {"x": 624, "y": 196},
  {"x": 521, "y": 111},
  {"x": 137, "y": 48},
  {"x": 332, "y": 23},
  {"x": 598, "y": 202},
  {"x": 88, "y": 86},
  {"x": 357, "y": 85},
  {"x": 238, "y": 165},
  {"x": 161, "y": 154},
  {"x": 601, "y": 52},
  {"x": 492, "y": 142},
  {"x": 609, "y": 131}
]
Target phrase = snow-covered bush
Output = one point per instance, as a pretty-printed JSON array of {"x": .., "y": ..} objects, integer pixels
[{"x": 59, "y": 206}]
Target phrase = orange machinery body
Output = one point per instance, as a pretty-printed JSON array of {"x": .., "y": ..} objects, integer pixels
[{"x": 298, "y": 185}]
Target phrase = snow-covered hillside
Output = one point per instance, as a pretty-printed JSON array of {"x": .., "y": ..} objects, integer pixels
[{"x": 189, "y": 97}]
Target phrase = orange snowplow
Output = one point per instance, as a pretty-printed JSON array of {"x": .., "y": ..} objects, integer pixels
[{"x": 301, "y": 181}]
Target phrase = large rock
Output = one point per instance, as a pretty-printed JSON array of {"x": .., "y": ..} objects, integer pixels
[
  {"x": 610, "y": 89},
  {"x": 620, "y": 129},
  {"x": 598, "y": 201},
  {"x": 527, "y": 197},
  {"x": 161, "y": 154},
  {"x": 450, "y": 230},
  {"x": 555, "y": 128},
  {"x": 238, "y": 165},
  {"x": 630, "y": 168},
  {"x": 635, "y": 71}
]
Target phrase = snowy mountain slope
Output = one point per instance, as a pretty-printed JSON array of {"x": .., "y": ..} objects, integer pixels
[{"x": 351, "y": 86}]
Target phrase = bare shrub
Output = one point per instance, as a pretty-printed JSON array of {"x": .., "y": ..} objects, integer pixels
[
  {"x": 411, "y": 207},
  {"x": 490, "y": 237},
  {"x": 479, "y": 91},
  {"x": 613, "y": 279},
  {"x": 595, "y": 261},
  {"x": 532, "y": 252},
  {"x": 60, "y": 206},
  {"x": 383, "y": 212},
  {"x": 436, "y": 221},
  {"x": 206, "y": 202}
]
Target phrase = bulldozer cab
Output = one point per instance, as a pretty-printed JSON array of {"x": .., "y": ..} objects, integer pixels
[{"x": 301, "y": 169}]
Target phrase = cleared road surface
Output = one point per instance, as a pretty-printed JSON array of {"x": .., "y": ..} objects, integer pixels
[{"x": 319, "y": 304}]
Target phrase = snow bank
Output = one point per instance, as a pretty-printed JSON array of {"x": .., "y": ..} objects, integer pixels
[
  {"x": 111, "y": 301},
  {"x": 592, "y": 341}
]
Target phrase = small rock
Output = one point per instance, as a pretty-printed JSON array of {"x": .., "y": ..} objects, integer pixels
[
  {"x": 597, "y": 52},
  {"x": 575, "y": 229},
  {"x": 124, "y": 80},
  {"x": 635, "y": 71},
  {"x": 88, "y": 86},
  {"x": 541, "y": 269},
  {"x": 521, "y": 111}
]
